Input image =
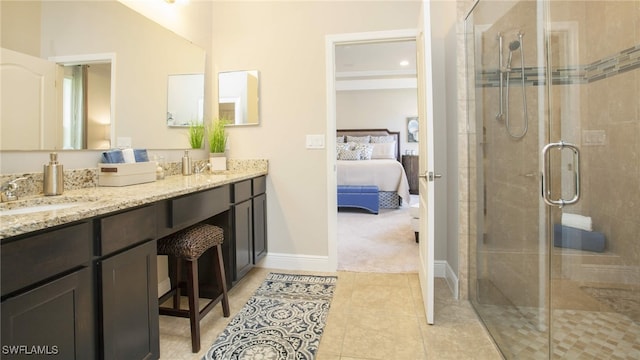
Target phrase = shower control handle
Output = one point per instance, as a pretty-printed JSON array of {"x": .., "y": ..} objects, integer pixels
[{"x": 546, "y": 186}]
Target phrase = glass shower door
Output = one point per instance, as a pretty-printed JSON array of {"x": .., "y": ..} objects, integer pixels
[
  {"x": 509, "y": 253},
  {"x": 593, "y": 63}
]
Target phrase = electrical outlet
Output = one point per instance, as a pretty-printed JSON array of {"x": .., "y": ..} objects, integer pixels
[{"x": 594, "y": 137}]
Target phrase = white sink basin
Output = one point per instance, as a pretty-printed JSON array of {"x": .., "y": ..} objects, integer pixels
[
  {"x": 38, "y": 208},
  {"x": 41, "y": 204}
]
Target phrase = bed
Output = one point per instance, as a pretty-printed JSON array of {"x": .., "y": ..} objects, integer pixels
[{"x": 372, "y": 157}]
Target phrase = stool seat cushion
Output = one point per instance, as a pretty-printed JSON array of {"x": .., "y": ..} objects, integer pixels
[{"x": 191, "y": 242}]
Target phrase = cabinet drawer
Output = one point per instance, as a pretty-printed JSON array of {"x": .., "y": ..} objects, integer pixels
[
  {"x": 193, "y": 208},
  {"x": 35, "y": 258},
  {"x": 241, "y": 191},
  {"x": 128, "y": 228},
  {"x": 259, "y": 185}
]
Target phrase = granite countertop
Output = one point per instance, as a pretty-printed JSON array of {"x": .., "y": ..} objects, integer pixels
[{"x": 95, "y": 201}]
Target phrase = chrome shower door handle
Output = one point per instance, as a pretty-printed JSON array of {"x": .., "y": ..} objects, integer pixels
[{"x": 546, "y": 187}]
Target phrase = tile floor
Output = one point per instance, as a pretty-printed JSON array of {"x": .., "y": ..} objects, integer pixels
[{"x": 372, "y": 316}]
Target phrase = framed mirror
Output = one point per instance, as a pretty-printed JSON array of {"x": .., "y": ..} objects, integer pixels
[
  {"x": 185, "y": 99},
  {"x": 239, "y": 97}
]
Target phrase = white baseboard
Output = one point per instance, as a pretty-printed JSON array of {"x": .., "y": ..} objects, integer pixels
[
  {"x": 452, "y": 281},
  {"x": 442, "y": 269},
  {"x": 163, "y": 286},
  {"x": 296, "y": 262},
  {"x": 439, "y": 268}
]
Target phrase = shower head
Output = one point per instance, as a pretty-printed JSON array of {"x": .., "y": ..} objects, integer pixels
[{"x": 513, "y": 46}]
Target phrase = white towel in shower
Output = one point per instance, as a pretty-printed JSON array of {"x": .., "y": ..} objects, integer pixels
[{"x": 577, "y": 221}]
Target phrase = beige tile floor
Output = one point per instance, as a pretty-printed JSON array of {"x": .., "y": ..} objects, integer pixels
[{"x": 372, "y": 316}]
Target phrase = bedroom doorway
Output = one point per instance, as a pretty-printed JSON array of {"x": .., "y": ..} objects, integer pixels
[{"x": 362, "y": 93}]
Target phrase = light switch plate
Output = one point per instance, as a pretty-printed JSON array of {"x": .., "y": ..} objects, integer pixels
[{"x": 315, "y": 141}]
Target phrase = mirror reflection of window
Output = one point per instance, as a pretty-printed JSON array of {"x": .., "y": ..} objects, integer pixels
[
  {"x": 86, "y": 106},
  {"x": 238, "y": 97}
]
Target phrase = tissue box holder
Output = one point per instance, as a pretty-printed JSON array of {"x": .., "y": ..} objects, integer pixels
[{"x": 124, "y": 174}]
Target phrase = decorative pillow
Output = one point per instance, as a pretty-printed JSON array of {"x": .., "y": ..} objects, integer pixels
[
  {"x": 346, "y": 154},
  {"x": 365, "y": 150},
  {"x": 339, "y": 139},
  {"x": 342, "y": 146},
  {"x": 359, "y": 139},
  {"x": 383, "y": 139},
  {"x": 384, "y": 151}
]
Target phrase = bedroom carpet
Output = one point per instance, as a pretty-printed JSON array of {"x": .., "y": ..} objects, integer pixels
[
  {"x": 284, "y": 319},
  {"x": 377, "y": 243}
]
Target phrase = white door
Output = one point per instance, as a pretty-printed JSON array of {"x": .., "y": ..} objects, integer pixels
[
  {"x": 28, "y": 101},
  {"x": 426, "y": 152}
]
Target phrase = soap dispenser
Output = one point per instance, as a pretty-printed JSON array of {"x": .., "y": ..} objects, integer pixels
[
  {"x": 53, "y": 177},
  {"x": 186, "y": 163}
]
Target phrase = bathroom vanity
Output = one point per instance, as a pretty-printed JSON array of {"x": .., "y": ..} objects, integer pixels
[{"x": 81, "y": 281}]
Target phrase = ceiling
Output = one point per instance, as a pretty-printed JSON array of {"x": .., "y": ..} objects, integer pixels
[{"x": 376, "y": 59}]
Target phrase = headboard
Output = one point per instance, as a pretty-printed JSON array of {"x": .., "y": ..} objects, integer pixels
[{"x": 374, "y": 132}]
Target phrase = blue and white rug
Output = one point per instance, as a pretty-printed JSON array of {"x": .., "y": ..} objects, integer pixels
[{"x": 283, "y": 320}]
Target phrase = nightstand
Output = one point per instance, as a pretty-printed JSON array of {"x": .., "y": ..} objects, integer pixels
[{"x": 410, "y": 164}]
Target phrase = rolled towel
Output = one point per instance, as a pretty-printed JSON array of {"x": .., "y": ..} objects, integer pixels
[
  {"x": 128, "y": 155},
  {"x": 141, "y": 155},
  {"x": 577, "y": 221},
  {"x": 112, "y": 157}
]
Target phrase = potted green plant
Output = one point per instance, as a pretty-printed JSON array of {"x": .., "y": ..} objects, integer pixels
[
  {"x": 196, "y": 135},
  {"x": 218, "y": 144}
]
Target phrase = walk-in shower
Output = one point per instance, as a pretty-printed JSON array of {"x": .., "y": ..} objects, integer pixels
[{"x": 554, "y": 250}]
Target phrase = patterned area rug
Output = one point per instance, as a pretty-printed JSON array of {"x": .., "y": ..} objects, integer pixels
[{"x": 283, "y": 320}]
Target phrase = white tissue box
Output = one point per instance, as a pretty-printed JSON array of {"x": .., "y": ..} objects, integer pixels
[{"x": 124, "y": 174}]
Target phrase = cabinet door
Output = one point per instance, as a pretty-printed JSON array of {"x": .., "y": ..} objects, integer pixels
[
  {"x": 130, "y": 304},
  {"x": 243, "y": 236},
  {"x": 259, "y": 227},
  {"x": 55, "y": 319}
]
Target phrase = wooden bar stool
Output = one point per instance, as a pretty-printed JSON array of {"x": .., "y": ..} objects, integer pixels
[{"x": 188, "y": 245}]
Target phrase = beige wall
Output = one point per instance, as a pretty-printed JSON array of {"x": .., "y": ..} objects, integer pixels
[
  {"x": 378, "y": 109},
  {"x": 286, "y": 42}
]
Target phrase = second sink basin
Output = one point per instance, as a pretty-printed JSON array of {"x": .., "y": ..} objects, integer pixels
[{"x": 40, "y": 204}]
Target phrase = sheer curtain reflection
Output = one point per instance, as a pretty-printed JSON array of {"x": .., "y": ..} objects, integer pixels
[{"x": 74, "y": 107}]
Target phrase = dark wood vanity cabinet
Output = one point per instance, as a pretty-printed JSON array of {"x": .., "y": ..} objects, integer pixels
[
  {"x": 48, "y": 302},
  {"x": 249, "y": 224},
  {"x": 128, "y": 285},
  {"x": 259, "y": 203},
  {"x": 243, "y": 229},
  {"x": 129, "y": 315},
  {"x": 89, "y": 290}
]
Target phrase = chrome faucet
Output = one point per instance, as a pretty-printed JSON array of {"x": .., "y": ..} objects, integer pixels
[
  {"x": 8, "y": 189},
  {"x": 202, "y": 168}
]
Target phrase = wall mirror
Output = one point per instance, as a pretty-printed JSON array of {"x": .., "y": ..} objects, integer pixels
[
  {"x": 140, "y": 64},
  {"x": 185, "y": 102},
  {"x": 239, "y": 97}
]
